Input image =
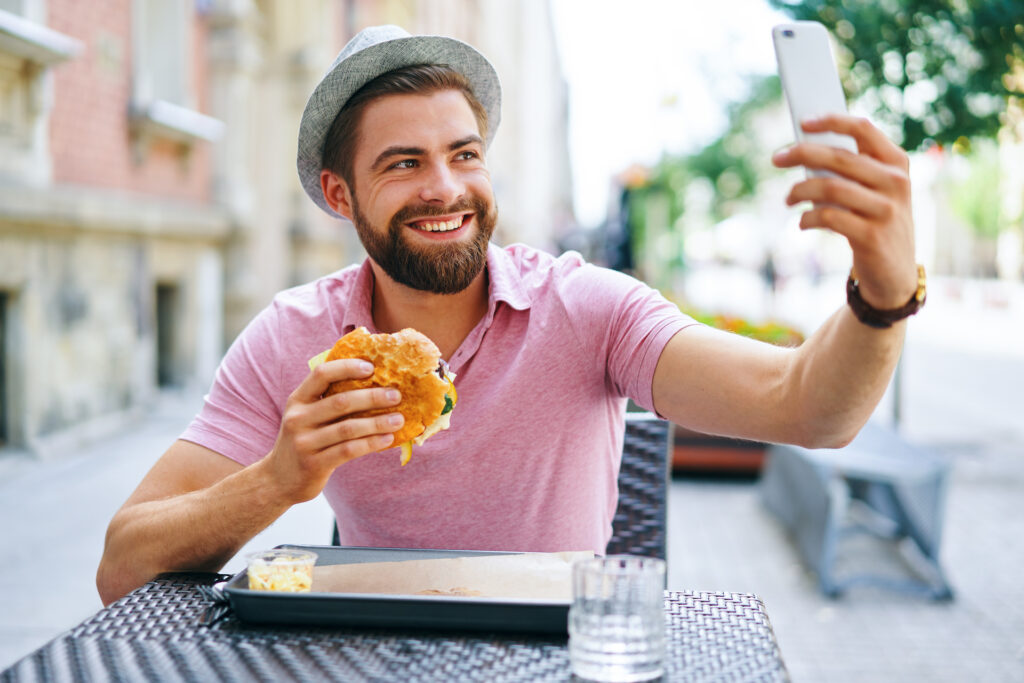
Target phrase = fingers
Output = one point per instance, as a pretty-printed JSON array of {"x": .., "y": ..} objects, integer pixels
[
  {"x": 341, "y": 453},
  {"x": 851, "y": 226},
  {"x": 325, "y": 374},
  {"x": 317, "y": 437},
  {"x": 870, "y": 140},
  {"x": 337, "y": 406},
  {"x": 842, "y": 193},
  {"x": 322, "y": 423},
  {"x": 358, "y": 435},
  {"x": 308, "y": 409},
  {"x": 845, "y": 207},
  {"x": 863, "y": 193},
  {"x": 317, "y": 434},
  {"x": 304, "y": 458},
  {"x": 861, "y": 169},
  {"x": 879, "y": 163}
]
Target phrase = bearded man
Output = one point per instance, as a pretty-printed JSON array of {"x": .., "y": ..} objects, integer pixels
[{"x": 547, "y": 350}]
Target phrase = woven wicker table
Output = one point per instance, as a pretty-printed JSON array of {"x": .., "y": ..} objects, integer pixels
[{"x": 155, "y": 634}]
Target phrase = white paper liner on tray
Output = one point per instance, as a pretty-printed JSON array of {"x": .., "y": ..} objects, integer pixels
[{"x": 540, "y": 576}]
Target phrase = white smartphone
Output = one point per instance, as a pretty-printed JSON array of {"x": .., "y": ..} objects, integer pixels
[{"x": 810, "y": 80}]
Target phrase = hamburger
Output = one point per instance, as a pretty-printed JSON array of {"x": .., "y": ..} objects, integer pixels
[{"x": 408, "y": 361}]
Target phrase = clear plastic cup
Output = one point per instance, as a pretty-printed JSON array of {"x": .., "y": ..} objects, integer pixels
[
  {"x": 281, "y": 569},
  {"x": 617, "y": 619}
]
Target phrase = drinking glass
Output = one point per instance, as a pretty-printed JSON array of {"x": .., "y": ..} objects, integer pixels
[{"x": 617, "y": 619}]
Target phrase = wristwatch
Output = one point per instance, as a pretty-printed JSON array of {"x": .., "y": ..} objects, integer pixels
[{"x": 869, "y": 315}]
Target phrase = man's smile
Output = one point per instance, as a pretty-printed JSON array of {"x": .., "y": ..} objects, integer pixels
[{"x": 442, "y": 225}]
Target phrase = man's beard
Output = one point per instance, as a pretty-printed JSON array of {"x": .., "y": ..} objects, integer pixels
[{"x": 441, "y": 268}]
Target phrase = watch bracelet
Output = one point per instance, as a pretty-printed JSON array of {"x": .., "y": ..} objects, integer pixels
[{"x": 882, "y": 319}]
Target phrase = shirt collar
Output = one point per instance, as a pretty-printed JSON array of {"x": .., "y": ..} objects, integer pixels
[
  {"x": 504, "y": 284},
  {"x": 359, "y": 306}
]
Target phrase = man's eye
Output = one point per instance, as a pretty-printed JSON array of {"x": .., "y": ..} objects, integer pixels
[
  {"x": 404, "y": 163},
  {"x": 468, "y": 154}
]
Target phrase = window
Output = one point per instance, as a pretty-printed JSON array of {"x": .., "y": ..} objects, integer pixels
[
  {"x": 164, "y": 99},
  {"x": 19, "y": 7},
  {"x": 27, "y": 50},
  {"x": 15, "y": 112},
  {"x": 163, "y": 62}
]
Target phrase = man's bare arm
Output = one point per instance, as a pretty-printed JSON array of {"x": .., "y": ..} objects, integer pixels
[
  {"x": 196, "y": 508},
  {"x": 822, "y": 393},
  {"x": 193, "y": 510},
  {"x": 720, "y": 383}
]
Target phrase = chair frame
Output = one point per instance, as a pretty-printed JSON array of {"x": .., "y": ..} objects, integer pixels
[{"x": 639, "y": 526}]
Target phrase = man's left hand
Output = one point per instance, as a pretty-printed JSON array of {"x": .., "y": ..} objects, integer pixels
[{"x": 867, "y": 201}]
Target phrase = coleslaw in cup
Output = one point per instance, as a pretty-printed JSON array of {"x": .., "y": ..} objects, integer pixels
[{"x": 281, "y": 569}]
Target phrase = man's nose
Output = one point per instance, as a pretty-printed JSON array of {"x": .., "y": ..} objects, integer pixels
[{"x": 441, "y": 185}]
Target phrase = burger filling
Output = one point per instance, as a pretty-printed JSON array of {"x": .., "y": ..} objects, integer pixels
[{"x": 443, "y": 420}]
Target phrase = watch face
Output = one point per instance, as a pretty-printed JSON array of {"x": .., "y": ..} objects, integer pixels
[{"x": 922, "y": 282}]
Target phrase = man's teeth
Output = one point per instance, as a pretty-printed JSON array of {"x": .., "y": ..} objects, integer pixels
[{"x": 444, "y": 226}]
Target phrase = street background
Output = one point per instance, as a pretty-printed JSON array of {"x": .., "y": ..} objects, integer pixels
[{"x": 149, "y": 208}]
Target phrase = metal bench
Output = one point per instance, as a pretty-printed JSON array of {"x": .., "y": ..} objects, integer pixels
[{"x": 878, "y": 484}]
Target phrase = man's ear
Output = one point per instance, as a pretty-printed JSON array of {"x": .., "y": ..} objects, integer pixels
[{"x": 336, "y": 193}]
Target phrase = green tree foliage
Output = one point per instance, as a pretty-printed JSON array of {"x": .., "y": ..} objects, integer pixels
[
  {"x": 728, "y": 162},
  {"x": 936, "y": 70}
]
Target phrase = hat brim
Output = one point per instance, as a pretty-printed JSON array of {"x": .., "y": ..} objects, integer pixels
[{"x": 352, "y": 73}]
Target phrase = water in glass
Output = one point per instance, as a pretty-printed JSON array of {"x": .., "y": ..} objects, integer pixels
[{"x": 617, "y": 619}]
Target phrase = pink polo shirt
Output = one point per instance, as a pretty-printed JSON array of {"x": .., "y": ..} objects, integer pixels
[{"x": 532, "y": 456}]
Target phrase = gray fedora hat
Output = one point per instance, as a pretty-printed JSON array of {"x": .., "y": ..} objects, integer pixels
[{"x": 372, "y": 52}]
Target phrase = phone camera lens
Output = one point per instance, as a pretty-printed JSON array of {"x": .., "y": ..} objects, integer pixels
[{"x": 787, "y": 33}]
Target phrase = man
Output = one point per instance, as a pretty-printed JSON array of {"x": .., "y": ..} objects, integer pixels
[{"x": 546, "y": 350}]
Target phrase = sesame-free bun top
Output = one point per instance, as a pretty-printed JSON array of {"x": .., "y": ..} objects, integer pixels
[{"x": 406, "y": 360}]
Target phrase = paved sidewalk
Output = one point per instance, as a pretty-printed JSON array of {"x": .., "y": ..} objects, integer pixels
[
  {"x": 968, "y": 409},
  {"x": 722, "y": 539}
]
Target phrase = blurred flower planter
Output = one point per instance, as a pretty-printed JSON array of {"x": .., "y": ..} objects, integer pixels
[
  {"x": 771, "y": 331},
  {"x": 696, "y": 453}
]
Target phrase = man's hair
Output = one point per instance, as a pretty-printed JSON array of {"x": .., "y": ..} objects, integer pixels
[{"x": 420, "y": 79}]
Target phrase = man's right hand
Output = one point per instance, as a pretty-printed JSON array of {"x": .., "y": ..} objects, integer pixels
[
  {"x": 156, "y": 529},
  {"x": 317, "y": 434}
]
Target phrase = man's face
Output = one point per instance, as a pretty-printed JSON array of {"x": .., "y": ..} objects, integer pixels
[{"x": 421, "y": 199}]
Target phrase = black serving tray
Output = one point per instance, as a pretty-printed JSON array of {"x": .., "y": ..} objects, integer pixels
[{"x": 403, "y": 611}]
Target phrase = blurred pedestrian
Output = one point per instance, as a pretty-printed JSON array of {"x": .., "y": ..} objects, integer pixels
[{"x": 769, "y": 274}]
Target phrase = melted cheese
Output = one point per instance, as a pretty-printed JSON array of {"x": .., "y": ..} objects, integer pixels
[{"x": 442, "y": 422}]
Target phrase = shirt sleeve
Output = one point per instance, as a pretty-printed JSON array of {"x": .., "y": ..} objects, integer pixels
[
  {"x": 241, "y": 414},
  {"x": 629, "y": 321}
]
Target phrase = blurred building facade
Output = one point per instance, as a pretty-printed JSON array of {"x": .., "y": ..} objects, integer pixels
[
  {"x": 149, "y": 205},
  {"x": 110, "y": 241}
]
